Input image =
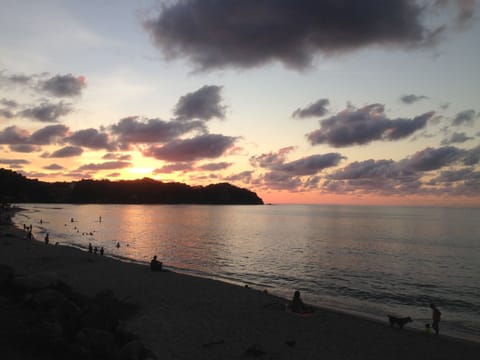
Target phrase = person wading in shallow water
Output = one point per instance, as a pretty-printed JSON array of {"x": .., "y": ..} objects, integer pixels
[{"x": 436, "y": 314}]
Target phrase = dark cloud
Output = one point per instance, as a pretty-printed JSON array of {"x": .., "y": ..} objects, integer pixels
[
  {"x": 7, "y": 111},
  {"x": 7, "y": 114},
  {"x": 13, "y": 135},
  {"x": 24, "y": 148},
  {"x": 50, "y": 134},
  {"x": 362, "y": 126},
  {"x": 292, "y": 175},
  {"x": 464, "y": 117},
  {"x": 450, "y": 176},
  {"x": 472, "y": 156},
  {"x": 279, "y": 180},
  {"x": 203, "y": 104},
  {"x": 67, "y": 151},
  {"x": 91, "y": 138},
  {"x": 47, "y": 112},
  {"x": 271, "y": 159},
  {"x": 244, "y": 176},
  {"x": 134, "y": 130},
  {"x": 411, "y": 98},
  {"x": 310, "y": 165},
  {"x": 121, "y": 157},
  {"x": 385, "y": 177},
  {"x": 456, "y": 138},
  {"x": 108, "y": 165},
  {"x": 14, "y": 79},
  {"x": 221, "y": 33},
  {"x": 170, "y": 168},
  {"x": 8, "y": 103},
  {"x": 434, "y": 159},
  {"x": 14, "y": 161},
  {"x": 63, "y": 85},
  {"x": 200, "y": 147},
  {"x": 317, "y": 109},
  {"x": 214, "y": 166},
  {"x": 408, "y": 176},
  {"x": 53, "y": 167},
  {"x": 373, "y": 169}
]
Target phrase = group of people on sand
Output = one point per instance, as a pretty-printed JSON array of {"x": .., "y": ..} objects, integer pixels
[{"x": 95, "y": 250}]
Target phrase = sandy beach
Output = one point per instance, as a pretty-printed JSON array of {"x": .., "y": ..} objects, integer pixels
[{"x": 185, "y": 317}]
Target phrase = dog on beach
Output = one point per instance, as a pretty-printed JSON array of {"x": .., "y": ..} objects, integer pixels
[{"x": 398, "y": 321}]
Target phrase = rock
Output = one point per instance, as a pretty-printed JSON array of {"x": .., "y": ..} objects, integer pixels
[
  {"x": 48, "y": 298},
  {"x": 100, "y": 342},
  {"x": 6, "y": 274},
  {"x": 94, "y": 316},
  {"x": 33, "y": 282},
  {"x": 47, "y": 333},
  {"x": 132, "y": 350}
]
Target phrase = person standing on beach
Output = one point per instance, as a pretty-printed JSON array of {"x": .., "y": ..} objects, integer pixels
[
  {"x": 47, "y": 239},
  {"x": 436, "y": 314}
]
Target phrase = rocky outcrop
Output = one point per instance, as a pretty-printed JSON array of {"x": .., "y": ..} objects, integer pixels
[{"x": 43, "y": 318}]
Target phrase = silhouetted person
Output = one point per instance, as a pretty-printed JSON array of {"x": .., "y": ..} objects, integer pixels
[
  {"x": 101, "y": 251},
  {"x": 90, "y": 247},
  {"x": 155, "y": 265},
  {"x": 95, "y": 250},
  {"x": 47, "y": 239},
  {"x": 298, "y": 306},
  {"x": 436, "y": 314}
]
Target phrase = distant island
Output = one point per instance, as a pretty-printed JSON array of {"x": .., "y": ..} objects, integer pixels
[{"x": 15, "y": 187}]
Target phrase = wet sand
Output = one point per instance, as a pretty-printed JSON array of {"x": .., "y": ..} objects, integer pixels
[{"x": 185, "y": 317}]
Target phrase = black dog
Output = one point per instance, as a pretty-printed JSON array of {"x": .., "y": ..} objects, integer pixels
[{"x": 399, "y": 321}]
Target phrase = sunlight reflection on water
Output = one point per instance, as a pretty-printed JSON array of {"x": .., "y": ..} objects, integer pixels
[{"x": 372, "y": 260}]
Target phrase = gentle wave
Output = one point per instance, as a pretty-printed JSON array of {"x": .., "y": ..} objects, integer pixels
[{"x": 368, "y": 260}]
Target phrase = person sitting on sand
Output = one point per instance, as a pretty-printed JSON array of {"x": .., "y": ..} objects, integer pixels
[
  {"x": 298, "y": 305},
  {"x": 155, "y": 265}
]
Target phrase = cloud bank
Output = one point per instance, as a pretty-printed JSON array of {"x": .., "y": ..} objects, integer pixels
[
  {"x": 362, "y": 126},
  {"x": 220, "y": 33}
]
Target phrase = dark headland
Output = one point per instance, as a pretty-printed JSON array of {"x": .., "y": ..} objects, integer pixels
[{"x": 17, "y": 188}]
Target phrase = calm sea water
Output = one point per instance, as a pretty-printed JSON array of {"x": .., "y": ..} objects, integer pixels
[{"x": 371, "y": 261}]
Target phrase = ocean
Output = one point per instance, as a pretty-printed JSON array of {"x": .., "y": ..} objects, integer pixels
[{"x": 367, "y": 260}]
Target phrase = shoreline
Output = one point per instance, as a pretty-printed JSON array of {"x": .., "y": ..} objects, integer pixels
[
  {"x": 285, "y": 294},
  {"x": 183, "y": 316}
]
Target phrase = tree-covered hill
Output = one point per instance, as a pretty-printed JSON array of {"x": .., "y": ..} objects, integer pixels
[{"x": 15, "y": 187}]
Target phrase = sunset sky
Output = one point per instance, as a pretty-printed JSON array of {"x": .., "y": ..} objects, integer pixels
[{"x": 356, "y": 102}]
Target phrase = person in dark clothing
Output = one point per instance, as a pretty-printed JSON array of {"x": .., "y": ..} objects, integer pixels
[{"x": 436, "y": 314}]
